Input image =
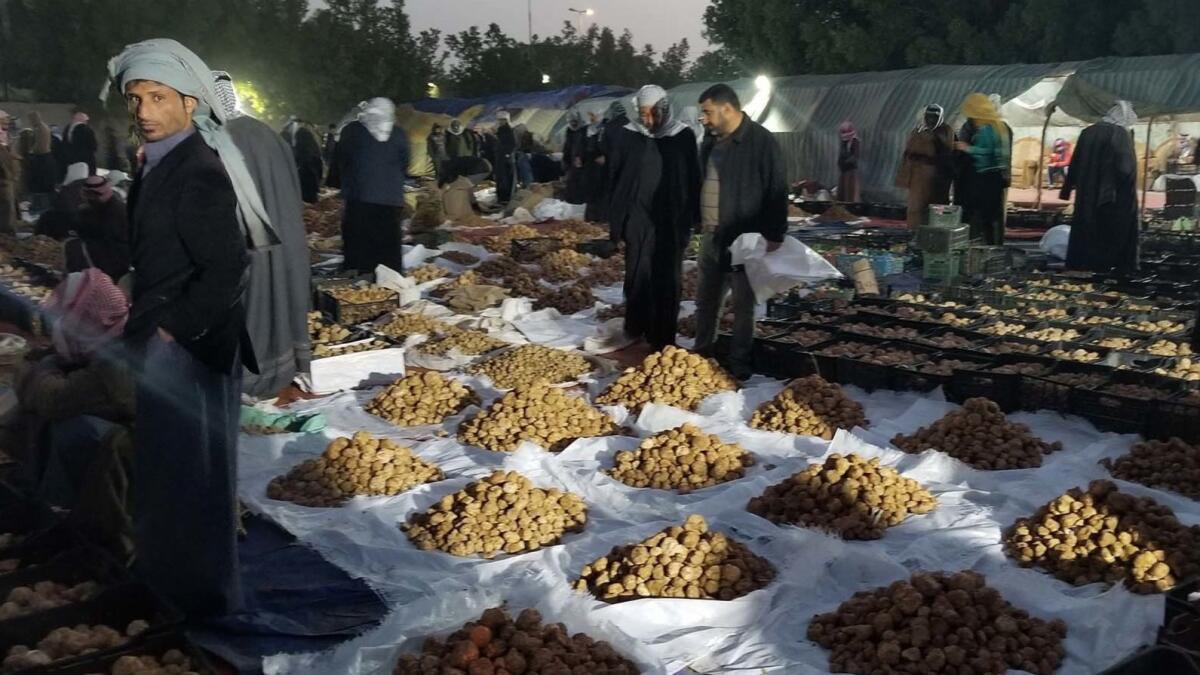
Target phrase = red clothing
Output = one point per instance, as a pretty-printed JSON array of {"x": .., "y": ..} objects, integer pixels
[{"x": 1061, "y": 158}]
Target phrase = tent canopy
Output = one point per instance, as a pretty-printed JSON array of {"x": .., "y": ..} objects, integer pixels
[
  {"x": 804, "y": 111},
  {"x": 1155, "y": 85}
]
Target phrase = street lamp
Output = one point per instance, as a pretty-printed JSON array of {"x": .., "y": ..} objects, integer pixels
[{"x": 582, "y": 13}]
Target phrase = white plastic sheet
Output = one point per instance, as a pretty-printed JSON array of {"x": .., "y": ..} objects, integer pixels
[
  {"x": 790, "y": 265},
  {"x": 353, "y": 371},
  {"x": 764, "y": 632},
  {"x": 554, "y": 209}
]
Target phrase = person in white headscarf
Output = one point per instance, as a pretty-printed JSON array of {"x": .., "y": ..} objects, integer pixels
[
  {"x": 372, "y": 162},
  {"x": 1103, "y": 174},
  {"x": 927, "y": 168},
  {"x": 655, "y": 206},
  {"x": 277, "y": 294},
  {"x": 193, "y": 207}
]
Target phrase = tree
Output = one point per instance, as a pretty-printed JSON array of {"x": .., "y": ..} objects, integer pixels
[
  {"x": 316, "y": 65},
  {"x": 786, "y": 37}
]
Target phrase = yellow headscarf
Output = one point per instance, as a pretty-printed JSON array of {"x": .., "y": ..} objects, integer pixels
[{"x": 978, "y": 108}]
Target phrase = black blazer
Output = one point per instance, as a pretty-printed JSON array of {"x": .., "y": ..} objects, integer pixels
[
  {"x": 754, "y": 189},
  {"x": 82, "y": 146},
  {"x": 189, "y": 257}
]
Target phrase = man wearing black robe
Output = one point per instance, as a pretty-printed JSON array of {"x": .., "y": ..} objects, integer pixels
[
  {"x": 574, "y": 154},
  {"x": 1104, "y": 229},
  {"x": 504, "y": 165},
  {"x": 655, "y": 204}
]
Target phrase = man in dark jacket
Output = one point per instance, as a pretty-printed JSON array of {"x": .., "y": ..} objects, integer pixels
[
  {"x": 744, "y": 190},
  {"x": 655, "y": 206},
  {"x": 79, "y": 142},
  {"x": 187, "y": 325},
  {"x": 372, "y": 160}
]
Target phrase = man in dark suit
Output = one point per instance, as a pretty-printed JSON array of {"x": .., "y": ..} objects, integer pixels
[{"x": 187, "y": 325}]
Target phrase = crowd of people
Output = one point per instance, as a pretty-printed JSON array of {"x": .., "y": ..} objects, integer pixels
[{"x": 187, "y": 269}]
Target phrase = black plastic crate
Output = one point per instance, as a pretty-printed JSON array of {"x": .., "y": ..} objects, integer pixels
[
  {"x": 1176, "y": 417},
  {"x": 116, "y": 608},
  {"x": 1050, "y": 393},
  {"x": 827, "y": 366},
  {"x": 1096, "y": 335},
  {"x": 26, "y": 518},
  {"x": 915, "y": 379},
  {"x": 1026, "y": 326},
  {"x": 1178, "y": 603},
  {"x": 533, "y": 249},
  {"x": 1118, "y": 412},
  {"x": 1156, "y": 661},
  {"x": 782, "y": 360},
  {"x": 70, "y": 568},
  {"x": 992, "y": 346},
  {"x": 977, "y": 339},
  {"x": 601, "y": 248},
  {"x": 1067, "y": 348},
  {"x": 872, "y": 376},
  {"x": 789, "y": 336},
  {"x": 1003, "y": 388},
  {"x": 351, "y": 313},
  {"x": 155, "y": 645},
  {"x": 42, "y": 547}
]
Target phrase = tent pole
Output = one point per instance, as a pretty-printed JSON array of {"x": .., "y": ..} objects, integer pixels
[
  {"x": 1145, "y": 173},
  {"x": 1042, "y": 155}
]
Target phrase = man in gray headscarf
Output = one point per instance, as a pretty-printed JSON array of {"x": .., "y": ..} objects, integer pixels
[
  {"x": 192, "y": 197},
  {"x": 655, "y": 206},
  {"x": 277, "y": 296},
  {"x": 1104, "y": 229}
]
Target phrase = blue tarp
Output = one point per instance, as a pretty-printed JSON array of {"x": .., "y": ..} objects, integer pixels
[{"x": 558, "y": 99}]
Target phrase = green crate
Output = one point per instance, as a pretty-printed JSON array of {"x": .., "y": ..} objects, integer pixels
[
  {"x": 945, "y": 215},
  {"x": 932, "y": 239},
  {"x": 987, "y": 260},
  {"x": 942, "y": 267}
]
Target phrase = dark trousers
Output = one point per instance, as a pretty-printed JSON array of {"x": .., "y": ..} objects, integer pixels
[
  {"x": 652, "y": 286},
  {"x": 184, "y": 484},
  {"x": 371, "y": 236},
  {"x": 716, "y": 280}
]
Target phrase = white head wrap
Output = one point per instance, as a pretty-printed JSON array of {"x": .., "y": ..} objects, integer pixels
[
  {"x": 76, "y": 171},
  {"x": 503, "y": 116},
  {"x": 226, "y": 94},
  {"x": 379, "y": 117},
  {"x": 935, "y": 109},
  {"x": 1121, "y": 114},
  {"x": 996, "y": 101},
  {"x": 655, "y": 96},
  {"x": 172, "y": 64}
]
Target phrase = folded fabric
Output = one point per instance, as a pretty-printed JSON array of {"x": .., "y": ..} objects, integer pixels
[{"x": 265, "y": 421}]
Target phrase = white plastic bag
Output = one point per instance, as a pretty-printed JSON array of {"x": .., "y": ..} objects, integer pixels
[
  {"x": 554, "y": 209},
  {"x": 1055, "y": 241},
  {"x": 790, "y": 265}
]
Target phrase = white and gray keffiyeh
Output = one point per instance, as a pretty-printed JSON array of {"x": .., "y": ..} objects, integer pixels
[
  {"x": 655, "y": 96},
  {"x": 379, "y": 117},
  {"x": 176, "y": 66},
  {"x": 935, "y": 109},
  {"x": 226, "y": 94},
  {"x": 1121, "y": 114}
]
